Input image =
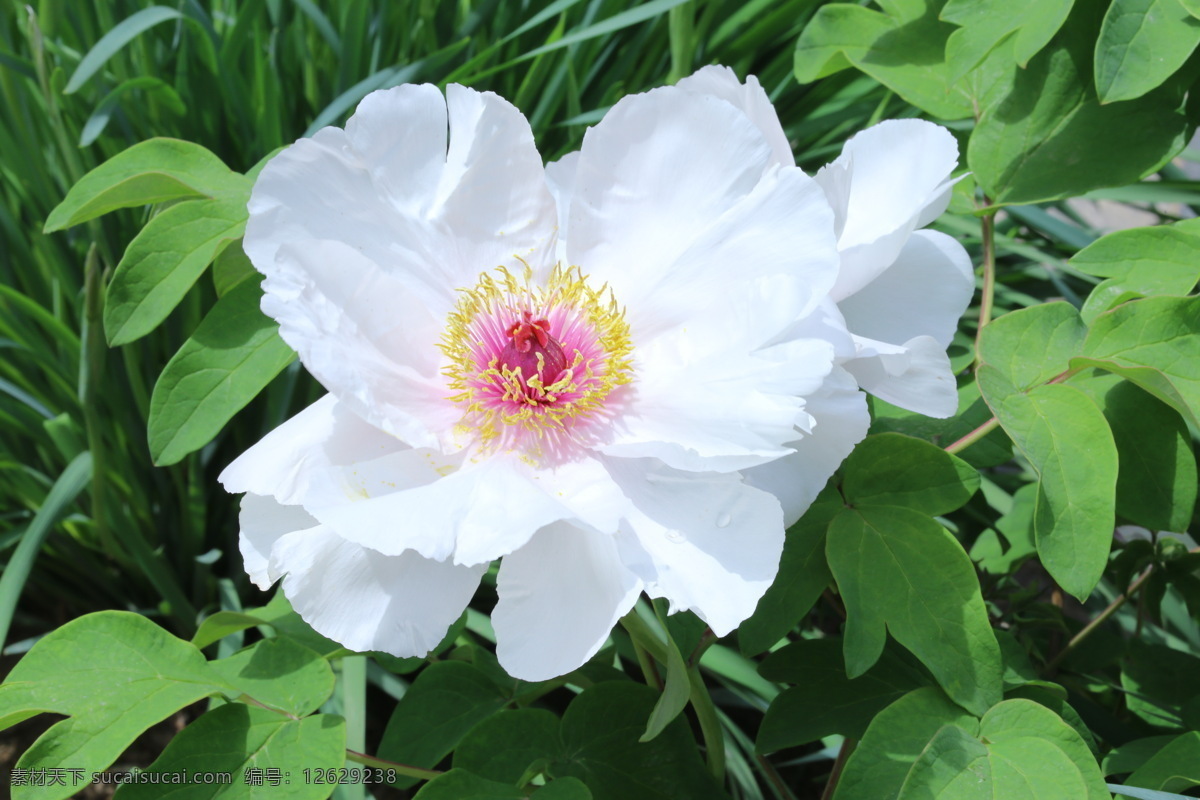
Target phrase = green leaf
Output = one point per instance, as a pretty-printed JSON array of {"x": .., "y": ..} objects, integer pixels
[
  {"x": 458, "y": 784},
  {"x": 249, "y": 744},
  {"x": 112, "y": 42},
  {"x": 1075, "y": 511},
  {"x": 1158, "y": 681},
  {"x": 504, "y": 746},
  {"x": 1141, "y": 44},
  {"x": 221, "y": 624},
  {"x": 1030, "y": 23},
  {"x": 1164, "y": 259},
  {"x": 114, "y": 674},
  {"x": 893, "y": 741},
  {"x": 1054, "y": 697},
  {"x": 1017, "y": 529},
  {"x": 279, "y": 673},
  {"x": 903, "y": 51},
  {"x": 153, "y": 171},
  {"x": 1156, "y": 483},
  {"x": 163, "y": 95},
  {"x": 1037, "y": 139},
  {"x": 1034, "y": 344},
  {"x": 1175, "y": 768},
  {"x": 899, "y": 570},
  {"x": 563, "y": 789},
  {"x": 1132, "y": 755},
  {"x": 233, "y": 354},
  {"x": 674, "y": 697},
  {"x": 66, "y": 488},
  {"x": 164, "y": 260},
  {"x": 890, "y": 469},
  {"x": 991, "y": 450},
  {"x": 803, "y": 575},
  {"x": 231, "y": 267},
  {"x": 823, "y": 700},
  {"x": 445, "y": 701},
  {"x": 1023, "y": 752},
  {"x": 600, "y": 747},
  {"x": 1155, "y": 343}
]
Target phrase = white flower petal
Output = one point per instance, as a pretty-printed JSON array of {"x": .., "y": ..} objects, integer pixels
[
  {"x": 750, "y": 99},
  {"x": 298, "y": 462},
  {"x": 670, "y": 195},
  {"x": 839, "y": 421},
  {"x": 560, "y": 595},
  {"x": 474, "y": 514},
  {"x": 560, "y": 177},
  {"x": 402, "y": 605},
  {"x": 889, "y": 180},
  {"x": 263, "y": 521},
  {"x": 708, "y": 542},
  {"x": 915, "y": 375},
  {"x": 924, "y": 293}
]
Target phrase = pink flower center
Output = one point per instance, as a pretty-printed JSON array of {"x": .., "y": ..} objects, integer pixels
[{"x": 534, "y": 355}]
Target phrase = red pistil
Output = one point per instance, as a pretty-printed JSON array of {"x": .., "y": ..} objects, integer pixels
[{"x": 529, "y": 339}]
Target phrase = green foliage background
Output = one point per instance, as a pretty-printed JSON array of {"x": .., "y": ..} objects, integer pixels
[{"x": 1004, "y": 643}]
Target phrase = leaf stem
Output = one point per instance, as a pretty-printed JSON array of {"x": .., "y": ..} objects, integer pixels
[
  {"x": 988, "y": 234},
  {"x": 380, "y": 763},
  {"x": 839, "y": 764},
  {"x": 973, "y": 437}
]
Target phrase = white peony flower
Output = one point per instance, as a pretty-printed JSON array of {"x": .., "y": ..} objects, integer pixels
[
  {"x": 901, "y": 290},
  {"x": 620, "y": 373}
]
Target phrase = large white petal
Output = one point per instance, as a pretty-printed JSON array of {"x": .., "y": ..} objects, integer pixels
[
  {"x": 402, "y": 605},
  {"x": 889, "y": 180},
  {"x": 924, "y": 293},
  {"x": 299, "y": 462},
  {"x": 263, "y": 521},
  {"x": 365, "y": 234},
  {"x": 915, "y": 375},
  {"x": 839, "y": 421},
  {"x": 560, "y": 177},
  {"x": 560, "y": 596},
  {"x": 671, "y": 200},
  {"x": 750, "y": 99},
  {"x": 706, "y": 542}
]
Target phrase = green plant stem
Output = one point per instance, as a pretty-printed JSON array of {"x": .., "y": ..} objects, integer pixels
[
  {"x": 988, "y": 234},
  {"x": 1101, "y": 618},
  {"x": 839, "y": 764},
  {"x": 774, "y": 778},
  {"x": 710, "y": 726},
  {"x": 973, "y": 437}
]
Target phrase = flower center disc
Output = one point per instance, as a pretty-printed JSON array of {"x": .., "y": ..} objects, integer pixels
[{"x": 529, "y": 362}]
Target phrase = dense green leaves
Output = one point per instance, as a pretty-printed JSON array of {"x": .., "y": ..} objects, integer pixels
[
  {"x": 1174, "y": 768},
  {"x": 153, "y": 171},
  {"x": 233, "y": 354},
  {"x": 1031, "y": 24}
]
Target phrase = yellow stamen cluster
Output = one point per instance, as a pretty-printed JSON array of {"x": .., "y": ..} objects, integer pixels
[{"x": 595, "y": 341}]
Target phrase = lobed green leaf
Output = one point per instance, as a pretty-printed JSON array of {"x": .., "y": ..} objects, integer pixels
[{"x": 1141, "y": 44}]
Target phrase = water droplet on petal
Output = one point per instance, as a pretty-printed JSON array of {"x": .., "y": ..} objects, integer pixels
[
  {"x": 724, "y": 520},
  {"x": 674, "y": 536}
]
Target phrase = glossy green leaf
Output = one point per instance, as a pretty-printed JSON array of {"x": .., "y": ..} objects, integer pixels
[
  {"x": 1023, "y": 751},
  {"x": 445, "y": 701},
  {"x": 890, "y": 469},
  {"x": 674, "y": 697},
  {"x": 894, "y": 740},
  {"x": 1037, "y": 140},
  {"x": 1054, "y": 697},
  {"x": 281, "y": 674},
  {"x": 823, "y": 701},
  {"x": 991, "y": 450},
  {"x": 1156, "y": 483},
  {"x": 600, "y": 747},
  {"x": 1164, "y": 259},
  {"x": 221, "y": 624},
  {"x": 1132, "y": 755},
  {"x": 903, "y": 51},
  {"x": 1067, "y": 441},
  {"x": 1031, "y": 24},
  {"x": 245, "y": 742},
  {"x": 1158, "y": 681},
  {"x": 112, "y": 42},
  {"x": 1174, "y": 768},
  {"x": 803, "y": 575},
  {"x": 164, "y": 260},
  {"x": 153, "y": 171},
  {"x": 504, "y": 746},
  {"x": 1141, "y": 44},
  {"x": 231, "y": 357},
  {"x": 1033, "y": 345},
  {"x": 900, "y": 571},
  {"x": 1155, "y": 343},
  {"x": 114, "y": 674},
  {"x": 231, "y": 267}
]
